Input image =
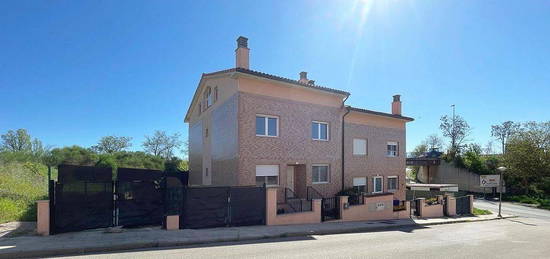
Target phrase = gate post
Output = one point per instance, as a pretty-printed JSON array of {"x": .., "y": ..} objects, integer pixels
[
  {"x": 420, "y": 202},
  {"x": 450, "y": 202},
  {"x": 43, "y": 217},
  {"x": 471, "y": 198}
]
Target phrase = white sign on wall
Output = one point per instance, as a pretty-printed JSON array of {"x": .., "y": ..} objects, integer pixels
[
  {"x": 380, "y": 206},
  {"x": 489, "y": 180}
]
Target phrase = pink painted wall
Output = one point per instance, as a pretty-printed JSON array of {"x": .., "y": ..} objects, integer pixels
[
  {"x": 173, "y": 222},
  {"x": 451, "y": 205},
  {"x": 272, "y": 218},
  {"x": 43, "y": 217},
  {"x": 430, "y": 211},
  {"x": 375, "y": 208}
]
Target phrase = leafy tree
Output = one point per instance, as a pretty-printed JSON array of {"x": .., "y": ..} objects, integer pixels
[
  {"x": 527, "y": 156},
  {"x": 456, "y": 129},
  {"x": 111, "y": 144},
  {"x": 75, "y": 155},
  {"x": 160, "y": 144},
  {"x": 419, "y": 150},
  {"x": 503, "y": 132},
  {"x": 17, "y": 141}
]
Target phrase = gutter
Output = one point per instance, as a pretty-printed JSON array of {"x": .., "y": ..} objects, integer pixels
[{"x": 343, "y": 139}]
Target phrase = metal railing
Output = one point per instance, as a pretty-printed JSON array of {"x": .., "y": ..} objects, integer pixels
[
  {"x": 289, "y": 194},
  {"x": 356, "y": 199},
  {"x": 312, "y": 193}
]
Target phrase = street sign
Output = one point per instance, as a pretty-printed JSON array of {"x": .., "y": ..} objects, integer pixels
[{"x": 492, "y": 180}]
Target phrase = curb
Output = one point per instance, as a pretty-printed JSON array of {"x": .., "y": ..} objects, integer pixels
[{"x": 112, "y": 248}]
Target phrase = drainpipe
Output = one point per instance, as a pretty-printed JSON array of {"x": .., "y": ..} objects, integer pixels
[{"x": 343, "y": 140}]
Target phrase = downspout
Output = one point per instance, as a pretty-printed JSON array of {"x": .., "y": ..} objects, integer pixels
[{"x": 343, "y": 139}]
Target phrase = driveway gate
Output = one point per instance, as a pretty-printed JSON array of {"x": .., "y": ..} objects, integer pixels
[
  {"x": 207, "y": 207},
  {"x": 82, "y": 198},
  {"x": 140, "y": 198},
  {"x": 463, "y": 205}
]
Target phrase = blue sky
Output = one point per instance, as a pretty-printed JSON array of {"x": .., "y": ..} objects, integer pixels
[{"x": 73, "y": 71}]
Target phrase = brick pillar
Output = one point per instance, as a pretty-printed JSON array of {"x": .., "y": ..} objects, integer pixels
[
  {"x": 451, "y": 205},
  {"x": 471, "y": 197},
  {"x": 270, "y": 206},
  {"x": 43, "y": 217},
  {"x": 343, "y": 201},
  {"x": 421, "y": 203},
  {"x": 173, "y": 222}
]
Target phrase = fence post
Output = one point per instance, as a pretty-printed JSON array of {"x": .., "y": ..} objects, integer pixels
[
  {"x": 420, "y": 206},
  {"x": 471, "y": 198}
]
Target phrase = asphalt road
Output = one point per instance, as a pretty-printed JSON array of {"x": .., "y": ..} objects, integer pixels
[
  {"x": 527, "y": 236},
  {"x": 509, "y": 208}
]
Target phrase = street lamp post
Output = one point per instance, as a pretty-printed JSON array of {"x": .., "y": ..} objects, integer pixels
[{"x": 501, "y": 170}]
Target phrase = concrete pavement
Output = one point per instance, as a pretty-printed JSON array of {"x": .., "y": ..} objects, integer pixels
[
  {"x": 97, "y": 240},
  {"x": 513, "y": 209}
]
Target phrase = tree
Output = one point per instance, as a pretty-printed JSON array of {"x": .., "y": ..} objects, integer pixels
[
  {"x": 160, "y": 144},
  {"x": 456, "y": 129},
  {"x": 433, "y": 142},
  {"x": 17, "y": 141},
  {"x": 419, "y": 150},
  {"x": 527, "y": 156},
  {"x": 112, "y": 144},
  {"x": 503, "y": 132}
]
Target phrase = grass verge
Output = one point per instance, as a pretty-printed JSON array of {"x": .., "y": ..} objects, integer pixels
[{"x": 478, "y": 212}]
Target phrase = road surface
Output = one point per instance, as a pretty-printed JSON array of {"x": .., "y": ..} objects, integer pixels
[{"x": 527, "y": 236}]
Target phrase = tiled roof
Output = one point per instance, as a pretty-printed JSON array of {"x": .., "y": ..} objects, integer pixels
[
  {"x": 380, "y": 113},
  {"x": 278, "y": 78}
]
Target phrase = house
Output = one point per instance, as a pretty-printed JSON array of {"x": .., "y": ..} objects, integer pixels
[{"x": 251, "y": 128}]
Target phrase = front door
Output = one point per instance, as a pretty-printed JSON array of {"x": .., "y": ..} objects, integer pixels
[{"x": 290, "y": 177}]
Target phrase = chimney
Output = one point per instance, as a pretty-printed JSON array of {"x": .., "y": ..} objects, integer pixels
[
  {"x": 396, "y": 105},
  {"x": 242, "y": 53},
  {"x": 303, "y": 78}
]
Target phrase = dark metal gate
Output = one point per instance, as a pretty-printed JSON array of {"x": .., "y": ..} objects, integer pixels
[
  {"x": 82, "y": 198},
  {"x": 140, "y": 199},
  {"x": 463, "y": 205},
  {"x": 208, "y": 207},
  {"x": 330, "y": 208}
]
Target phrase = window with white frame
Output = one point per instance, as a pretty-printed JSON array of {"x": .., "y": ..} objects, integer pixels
[
  {"x": 319, "y": 173},
  {"x": 319, "y": 130},
  {"x": 377, "y": 184},
  {"x": 267, "y": 126},
  {"x": 392, "y": 183},
  {"x": 359, "y": 147},
  {"x": 360, "y": 184},
  {"x": 392, "y": 150},
  {"x": 267, "y": 174},
  {"x": 208, "y": 97}
]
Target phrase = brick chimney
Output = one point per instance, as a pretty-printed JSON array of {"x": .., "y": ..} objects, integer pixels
[
  {"x": 242, "y": 53},
  {"x": 396, "y": 105},
  {"x": 303, "y": 78}
]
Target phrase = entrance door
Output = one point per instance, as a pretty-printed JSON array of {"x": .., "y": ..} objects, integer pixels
[{"x": 290, "y": 178}]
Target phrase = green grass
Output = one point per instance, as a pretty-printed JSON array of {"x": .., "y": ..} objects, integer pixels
[
  {"x": 478, "y": 212},
  {"x": 21, "y": 185}
]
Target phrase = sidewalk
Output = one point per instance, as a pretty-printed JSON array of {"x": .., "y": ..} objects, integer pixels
[{"x": 99, "y": 241}]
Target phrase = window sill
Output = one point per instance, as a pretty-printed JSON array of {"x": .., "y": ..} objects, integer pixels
[
  {"x": 266, "y": 136},
  {"x": 322, "y": 140},
  {"x": 320, "y": 182}
]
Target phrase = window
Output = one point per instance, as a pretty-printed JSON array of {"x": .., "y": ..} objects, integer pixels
[
  {"x": 206, "y": 133},
  {"x": 392, "y": 149},
  {"x": 377, "y": 184},
  {"x": 360, "y": 184},
  {"x": 359, "y": 147},
  {"x": 267, "y": 174},
  {"x": 267, "y": 126},
  {"x": 319, "y": 130},
  {"x": 392, "y": 183},
  {"x": 215, "y": 94},
  {"x": 319, "y": 173},
  {"x": 208, "y": 97}
]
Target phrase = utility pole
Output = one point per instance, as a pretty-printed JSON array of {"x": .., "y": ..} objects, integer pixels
[{"x": 453, "y": 132}]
